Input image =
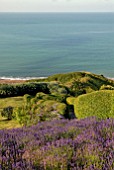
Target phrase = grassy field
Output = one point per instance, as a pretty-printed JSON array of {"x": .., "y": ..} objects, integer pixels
[
  {"x": 5, "y": 102},
  {"x": 5, "y": 124},
  {"x": 10, "y": 101}
]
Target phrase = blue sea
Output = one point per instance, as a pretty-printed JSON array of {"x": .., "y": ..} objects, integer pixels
[{"x": 42, "y": 44}]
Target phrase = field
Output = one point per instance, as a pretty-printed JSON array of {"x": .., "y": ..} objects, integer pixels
[
  {"x": 11, "y": 101},
  {"x": 87, "y": 144},
  {"x": 65, "y": 122},
  {"x": 5, "y": 102},
  {"x": 5, "y": 124}
]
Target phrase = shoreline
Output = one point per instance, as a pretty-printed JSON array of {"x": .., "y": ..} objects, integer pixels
[
  {"x": 12, "y": 80},
  {"x": 6, "y": 81}
]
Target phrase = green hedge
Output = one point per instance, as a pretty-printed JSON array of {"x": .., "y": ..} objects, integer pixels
[
  {"x": 99, "y": 104},
  {"x": 7, "y": 90},
  {"x": 11, "y": 90},
  {"x": 70, "y": 100}
]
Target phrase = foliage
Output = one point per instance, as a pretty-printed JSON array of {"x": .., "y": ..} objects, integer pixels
[
  {"x": 94, "y": 80},
  {"x": 77, "y": 83},
  {"x": 70, "y": 100},
  {"x": 99, "y": 104},
  {"x": 14, "y": 102},
  {"x": 11, "y": 90},
  {"x": 63, "y": 78},
  {"x": 77, "y": 88},
  {"x": 11, "y": 101},
  {"x": 57, "y": 89},
  {"x": 107, "y": 87},
  {"x": 56, "y": 97},
  {"x": 42, "y": 107},
  {"x": 74, "y": 83},
  {"x": 8, "y": 113},
  {"x": 59, "y": 144},
  {"x": 11, "y": 153}
]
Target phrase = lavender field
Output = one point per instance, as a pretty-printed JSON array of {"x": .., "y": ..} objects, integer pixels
[{"x": 87, "y": 144}]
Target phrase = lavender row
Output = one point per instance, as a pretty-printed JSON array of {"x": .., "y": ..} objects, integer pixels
[{"x": 87, "y": 144}]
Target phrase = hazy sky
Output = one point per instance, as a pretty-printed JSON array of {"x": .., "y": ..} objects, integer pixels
[{"x": 56, "y": 5}]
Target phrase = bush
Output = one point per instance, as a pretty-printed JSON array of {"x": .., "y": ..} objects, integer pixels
[
  {"x": 42, "y": 107},
  {"x": 107, "y": 87},
  {"x": 99, "y": 104},
  {"x": 70, "y": 100},
  {"x": 7, "y": 90},
  {"x": 50, "y": 109},
  {"x": 56, "y": 88},
  {"x": 8, "y": 112}
]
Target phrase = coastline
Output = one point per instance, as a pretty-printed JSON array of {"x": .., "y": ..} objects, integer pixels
[
  {"x": 6, "y": 81},
  {"x": 12, "y": 80}
]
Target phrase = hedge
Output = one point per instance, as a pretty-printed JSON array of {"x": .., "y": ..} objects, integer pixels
[{"x": 99, "y": 104}]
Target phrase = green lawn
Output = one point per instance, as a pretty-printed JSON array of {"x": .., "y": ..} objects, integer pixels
[
  {"x": 11, "y": 101},
  {"x": 5, "y": 124},
  {"x": 5, "y": 102}
]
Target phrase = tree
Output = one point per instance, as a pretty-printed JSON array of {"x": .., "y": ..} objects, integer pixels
[{"x": 8, "y": 112}]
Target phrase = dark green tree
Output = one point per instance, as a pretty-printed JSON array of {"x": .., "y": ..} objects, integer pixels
[{"x": 8, "y": 112}]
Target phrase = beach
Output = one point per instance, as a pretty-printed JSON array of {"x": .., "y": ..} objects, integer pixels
[{"x": 8, "y": 81}]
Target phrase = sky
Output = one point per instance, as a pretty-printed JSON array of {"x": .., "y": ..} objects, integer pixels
[{"x": 56, "y": 5}]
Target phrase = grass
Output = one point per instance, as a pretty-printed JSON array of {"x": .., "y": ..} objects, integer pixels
[
  {"x": 5, "y": 102},
  {"x": 11, "y": 101},
  {"x": 84, "y": 77},
  {"x": 6, "y": 124}
]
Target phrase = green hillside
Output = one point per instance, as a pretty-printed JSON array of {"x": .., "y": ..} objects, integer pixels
[
  {"x": 59, "y": 96},
  {"x": 80, "y": 82}
]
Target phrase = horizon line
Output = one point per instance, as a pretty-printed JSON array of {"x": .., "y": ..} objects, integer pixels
[{"x": 56, "y": 12}]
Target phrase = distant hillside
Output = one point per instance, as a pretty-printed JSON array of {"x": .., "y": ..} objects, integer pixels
[{"x": 80, "y": 82}]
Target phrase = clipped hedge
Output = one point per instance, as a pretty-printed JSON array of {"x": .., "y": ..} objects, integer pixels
[
  {"x": 99, "y": 104},
  {"x": 70, "y": 100}
]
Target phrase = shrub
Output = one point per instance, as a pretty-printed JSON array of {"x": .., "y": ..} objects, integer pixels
[
  {"x": 50, "y": 109},
  {"x": 99, "y": 104},
  {"x": 107, "y": 87},
  {"x": 7, "y": 90},
  {"x": 78, "y": 88},
  {"x": 70, "y": 100},
  {"x": 42, "y": 107},
  {"x": 56, "y": 88},
  {"x": 27, "y": 98},
  {"x": 8, "y": 112}
]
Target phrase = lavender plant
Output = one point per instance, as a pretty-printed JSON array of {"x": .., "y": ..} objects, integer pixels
[
  {"x": 11, "y": 153},
  {"x": 87, "y": 144}
]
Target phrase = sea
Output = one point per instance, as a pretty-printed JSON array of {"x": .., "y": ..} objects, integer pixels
[{"x": 36, "y": 45}]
